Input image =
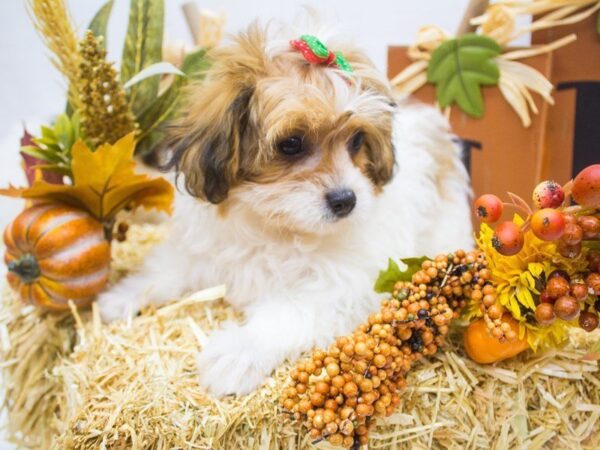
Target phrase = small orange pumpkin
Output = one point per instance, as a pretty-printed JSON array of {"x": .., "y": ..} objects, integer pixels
[
  {"x": 56, "y": 253},
  {"x": 484, "y": 348}
]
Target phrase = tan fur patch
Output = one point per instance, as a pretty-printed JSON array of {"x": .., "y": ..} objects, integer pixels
[{"x": 232, "y": 121}]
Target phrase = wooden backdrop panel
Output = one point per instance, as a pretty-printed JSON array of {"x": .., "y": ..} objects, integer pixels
[{"x": 510, "y": 157}]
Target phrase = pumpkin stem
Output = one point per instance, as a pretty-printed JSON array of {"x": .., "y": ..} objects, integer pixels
[
  {"x": 108, "y": 225},
  {"x": 26, "y": 267}
]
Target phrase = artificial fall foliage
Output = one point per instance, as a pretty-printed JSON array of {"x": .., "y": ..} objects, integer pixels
[
  {"x": 142, "y": 48},
  {"x": 459, "y": 67},
  {"x": 388, "y": 278},
  {"x": 458, "y": 78},
  {"x": 52, "y": 150},
  {"x": 32, "y": 161},
  {"x": 546, "y": 267},
  {"x": 104, "y": 182},
  {"x": 108, "y": 103},
  {"x": 99, "y": 23}
]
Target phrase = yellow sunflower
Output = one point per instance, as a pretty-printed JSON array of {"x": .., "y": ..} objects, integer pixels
[{"x": 519, "y": 278}]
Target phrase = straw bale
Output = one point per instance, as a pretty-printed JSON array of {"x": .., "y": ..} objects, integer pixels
[{"x": 71, "y": 382}]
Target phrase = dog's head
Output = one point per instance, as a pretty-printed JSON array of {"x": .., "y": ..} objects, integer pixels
[{"x": 302, "y": 146}]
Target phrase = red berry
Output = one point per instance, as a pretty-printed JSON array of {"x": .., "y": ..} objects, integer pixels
[
  {"x": 586, "y": 187},
  {"x": 588, "y": 321},
  {"x": 508, "y": 239},
  {"x": 557, "y": 287},
  {"x": 548, "y": 194},
  {"x": 590, "y": 226},
  {"x": 593, "y": 259},
  {"x": 546, "y": 298},
  {"x": 579, "y": 290},
  {"x": 570, "y": 219},
  {"x": 572, "y": 235},
  {"x": 544, "y": 314},
  {"x": 559, "y": 273},
  {"x": 548, "y": 224},
  {"x": 593, "y": 282},
  {"x": 566, "y": 308},
  {"x": 488, "y": 208},
  {"x": 568, "y": 251}
]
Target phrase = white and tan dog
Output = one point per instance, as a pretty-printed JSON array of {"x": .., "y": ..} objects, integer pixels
[{"x": 301, "y": 179}]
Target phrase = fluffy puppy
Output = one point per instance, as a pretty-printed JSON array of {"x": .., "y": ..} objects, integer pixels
[{"x": 300, "y": 181}]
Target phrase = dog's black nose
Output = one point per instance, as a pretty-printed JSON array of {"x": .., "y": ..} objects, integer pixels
[{"x": 341, "y": 202}]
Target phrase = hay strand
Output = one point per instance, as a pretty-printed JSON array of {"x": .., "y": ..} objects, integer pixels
[{"x": 73, "y": 383}]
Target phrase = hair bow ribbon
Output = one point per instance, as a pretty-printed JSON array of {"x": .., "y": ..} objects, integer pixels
[{"x": 315, "y": 52}]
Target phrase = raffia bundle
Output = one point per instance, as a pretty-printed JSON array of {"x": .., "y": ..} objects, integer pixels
[{"x": 71, "y": 382}]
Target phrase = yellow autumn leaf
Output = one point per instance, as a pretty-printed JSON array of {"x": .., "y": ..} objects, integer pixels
[
  {"x": 104, "y": 182},
  {"x": 536, "y": 269},
  {"x": 525, "y": 298}
]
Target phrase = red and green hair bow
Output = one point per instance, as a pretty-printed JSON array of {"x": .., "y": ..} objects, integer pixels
[{"x": 315, "y": 52}]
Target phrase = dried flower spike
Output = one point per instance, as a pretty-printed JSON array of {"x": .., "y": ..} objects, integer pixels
[
  {"x": 105, "y": 113},
  {"x": 337, "y": 393}
]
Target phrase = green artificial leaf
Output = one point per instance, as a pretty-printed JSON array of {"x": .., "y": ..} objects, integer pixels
[
  {"x": 389, "y": 277},
  {"x": 76, "y": 124},
  {"x": 150, "y": 142},
  {"x": 69, "y": 108},
  {"x": 157, "y": 113},
  {"x": 54, "y": 145},
  {"x": 164, "y": 108},
  {"x": 48, "y": 133},
  {"x": 459, "y": 67},
  {"x": 143, "y": 47},
  {"x": 195, "y": 64},
  {"x": 100, "y": 22},
  {"x": 63, "y": 131},
  {"x": 41, "y": 153}
]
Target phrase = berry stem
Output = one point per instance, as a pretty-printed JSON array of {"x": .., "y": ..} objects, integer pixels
[
  {"x": 520, "y": 204},
  {"x": 517, "y": 207},
  {"x": 567, "y": 189}
]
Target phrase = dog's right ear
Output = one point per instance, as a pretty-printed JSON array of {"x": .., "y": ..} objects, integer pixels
[{"x": 206, "y": 141}]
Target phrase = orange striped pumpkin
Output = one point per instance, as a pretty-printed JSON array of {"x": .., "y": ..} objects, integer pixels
[{"x": 56, "y": 253}]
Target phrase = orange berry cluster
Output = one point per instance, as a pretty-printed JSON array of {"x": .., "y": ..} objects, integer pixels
[{"x": 336, "y": 393}]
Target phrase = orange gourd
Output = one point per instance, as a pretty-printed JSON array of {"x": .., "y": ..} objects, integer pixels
[
  {"x": 56, "y": 253},
  {"x": 484, "y": 348}
]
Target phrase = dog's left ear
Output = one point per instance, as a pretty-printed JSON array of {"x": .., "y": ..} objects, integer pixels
[
  {"x": 206, "y": 142},
  {"x": 380, "y": 153}
]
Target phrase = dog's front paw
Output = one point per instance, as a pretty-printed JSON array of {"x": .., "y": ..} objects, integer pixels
[
  {"x": 117, "y": 306},
  {"x": 231, "y": 364}
]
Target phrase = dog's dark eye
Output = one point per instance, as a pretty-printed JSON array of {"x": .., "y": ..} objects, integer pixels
[
  {"x": 356, "y": 142},
  {"x": 291, "y": 146}
]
